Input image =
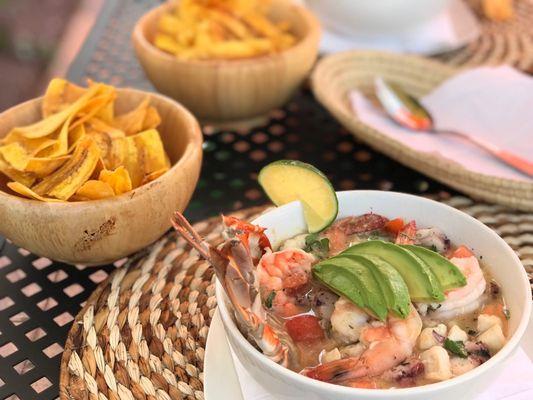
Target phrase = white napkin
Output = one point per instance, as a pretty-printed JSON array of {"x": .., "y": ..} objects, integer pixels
[
  {"x": 454, "y": 27},
  {"x": 493, "y": 103},
  {"x": 514, "y": 383}
]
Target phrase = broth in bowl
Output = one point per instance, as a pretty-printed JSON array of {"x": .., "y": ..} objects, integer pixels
[{"x": 357, "y": 317}]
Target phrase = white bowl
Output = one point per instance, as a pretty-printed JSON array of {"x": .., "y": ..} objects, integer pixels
[
  {"x": 287, "y": 221},
  {"x": 356, "y": 17}
]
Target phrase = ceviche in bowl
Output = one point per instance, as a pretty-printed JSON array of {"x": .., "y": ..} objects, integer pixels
[{"x": 395, "y": 296}]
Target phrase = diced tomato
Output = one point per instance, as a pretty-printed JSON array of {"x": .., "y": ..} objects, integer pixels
[
  {"x": 462, "y": 252},
  {"x": 407, "y": 234},
  {"x": 304, "y": 328},
  {"x": 394, "y": 226}
]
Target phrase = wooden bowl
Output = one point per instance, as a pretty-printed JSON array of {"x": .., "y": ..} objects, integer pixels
[
  {"x": 101, "y": 231},
  {"x": 231, "y": 90}
]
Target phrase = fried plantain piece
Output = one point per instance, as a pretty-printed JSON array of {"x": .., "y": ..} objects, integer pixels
[
  {"x": 64, "y": 182},
  {"x": 25, "y": 191},
  {"x": 93, "y": 190},
  {"x": 132, "y": 122},
  {"x": 119, "y": 179}
]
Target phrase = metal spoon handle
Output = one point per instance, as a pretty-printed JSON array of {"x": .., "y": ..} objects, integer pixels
[{"x": 511, "y": 159}]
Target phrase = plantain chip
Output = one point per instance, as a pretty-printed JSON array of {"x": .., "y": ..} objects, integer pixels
[
  {"x": 146, "y": 154},
  {"x": 93, "y": 190},
  {"x": 154, "y": 175},
  {"x": 119, "y": 179},
  {"x": 42, "y": 167},
  {"x": 169, "y": 24},
  {"x": 150, "y": 146},
  {"x": 59, "y": 94},
  {"x": 15, "y": 155},
  {"x": 107, "y": 113},
  {"x": 19, "y": 154},
  {"x": 109, "y": 140},
  {"x": 132, "y": 122},
  {"x": 151, "y": 120},
  {"x": 92, "y": 108},
  {"x": 60, "y": 147},
  {"x": 24, "y": 178},
  {"x": 53, "y": 122},
  {"x": 32, "y": 146},
  {"x": 74, "y": 136},
  {"x": 25, "y": 191},
  {"x": 132, "y": 163},
  {"x": 64, "y": 182}
]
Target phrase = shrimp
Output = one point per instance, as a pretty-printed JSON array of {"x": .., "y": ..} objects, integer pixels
[
  {"x": 467, "y": 298},
  {"x": 282, "y": 274},
  {"x": 234, "y": 268},
  {"x": 386, "y": 347}
]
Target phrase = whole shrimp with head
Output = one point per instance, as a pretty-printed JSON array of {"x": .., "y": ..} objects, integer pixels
[{"x": 233, "y": 262}]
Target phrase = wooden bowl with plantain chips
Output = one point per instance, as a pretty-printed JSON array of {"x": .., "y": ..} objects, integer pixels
[{"x": 95, "y": 232}]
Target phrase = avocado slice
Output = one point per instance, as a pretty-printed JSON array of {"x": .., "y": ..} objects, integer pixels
[
  {"x": 419, "y": 278},
  {"x": 351, "y": 279},
  {"x": 447, "y": 273},
  {"x": 390, "y": 281}
]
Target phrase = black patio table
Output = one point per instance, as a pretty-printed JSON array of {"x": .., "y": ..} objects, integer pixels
[{"x": 39, "y": 298}]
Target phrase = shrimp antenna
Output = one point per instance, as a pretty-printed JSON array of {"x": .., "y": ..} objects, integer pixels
[{"x": 182, "y": 226}]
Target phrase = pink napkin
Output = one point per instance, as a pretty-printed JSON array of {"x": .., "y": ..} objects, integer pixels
[
  {"x": 514, "y": 383},
  {"x": 493, "y": 103}
]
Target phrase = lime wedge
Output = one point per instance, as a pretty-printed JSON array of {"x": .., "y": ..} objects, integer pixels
[{"x": 285, "y": 181}]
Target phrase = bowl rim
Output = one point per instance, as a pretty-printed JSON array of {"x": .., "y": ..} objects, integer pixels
[
  {"x": 511, "y": 345},
  {"x": 194, "y": 144},
  {"x": 312, "y": 36}
]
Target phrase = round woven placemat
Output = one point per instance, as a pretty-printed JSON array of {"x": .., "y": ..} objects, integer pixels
[
  {"x": 142, "y": 333},
  {"x": 509, "y": 42}
]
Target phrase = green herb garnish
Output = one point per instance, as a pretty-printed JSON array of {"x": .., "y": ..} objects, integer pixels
[
  {"x": 456, "y": 347},
  {"x": 319, "y": 247},
  {"x": 270, "y": 299}
]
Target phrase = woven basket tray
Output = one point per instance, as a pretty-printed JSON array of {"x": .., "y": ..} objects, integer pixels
[
  {"x": 336, "y": 75},
  {"x": 142, "y": 333}
]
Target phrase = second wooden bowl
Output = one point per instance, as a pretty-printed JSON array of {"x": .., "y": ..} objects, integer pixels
[
  {"x": 229, "y": 90},
  {"x": 101, "y": 231}
]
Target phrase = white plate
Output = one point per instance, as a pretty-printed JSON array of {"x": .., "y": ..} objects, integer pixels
[
  {"x": 220, "y": 378},
  {"x": 454, "y": 28}
]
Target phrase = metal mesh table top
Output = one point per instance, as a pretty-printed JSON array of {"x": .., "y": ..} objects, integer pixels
[{"x": 39, "y": 298}]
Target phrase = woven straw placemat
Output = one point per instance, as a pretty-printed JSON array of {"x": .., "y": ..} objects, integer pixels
[
  {"x": 509, "y": 42},
  {"x": 142, "y": 333},
  {"x": 336, "y": 75}
]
